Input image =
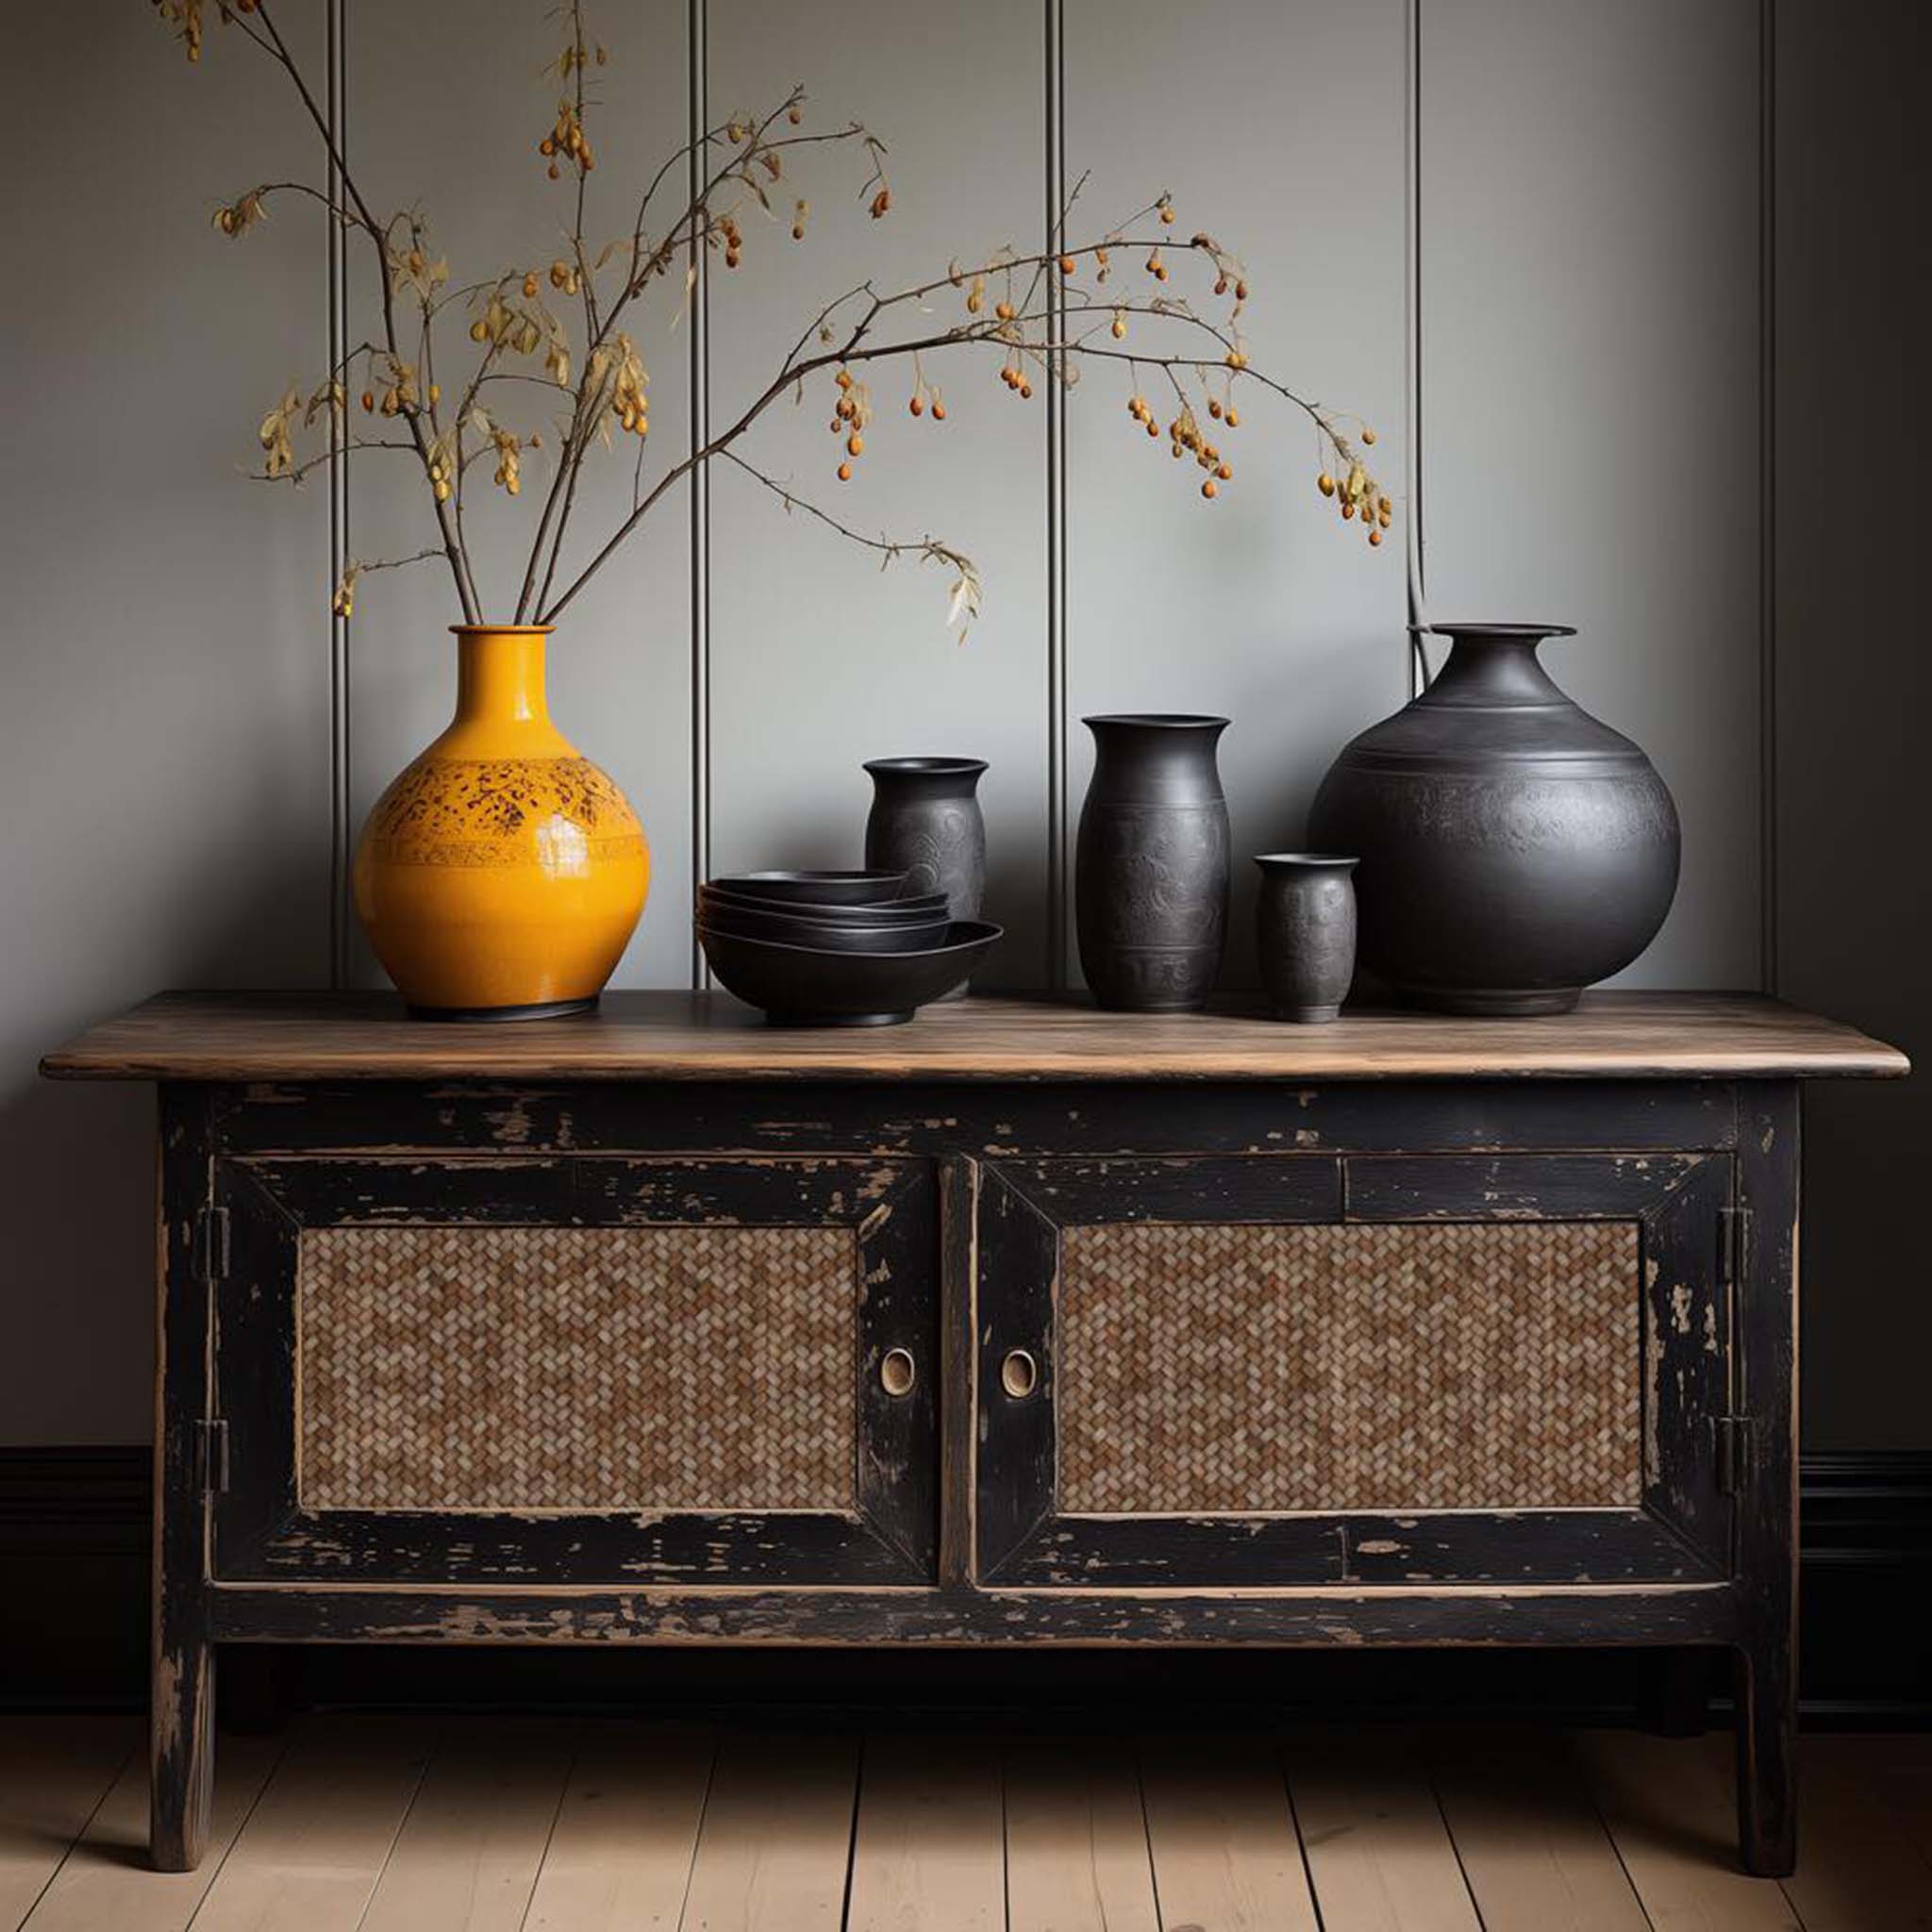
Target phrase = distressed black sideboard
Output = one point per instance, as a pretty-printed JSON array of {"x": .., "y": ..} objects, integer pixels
[{"x": 1021, "y": 1325}]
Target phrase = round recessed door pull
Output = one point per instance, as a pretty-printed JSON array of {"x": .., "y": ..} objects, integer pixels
[
  {"x": 1019, "y": 1374},
  {"x": 898, "y": 1371}
]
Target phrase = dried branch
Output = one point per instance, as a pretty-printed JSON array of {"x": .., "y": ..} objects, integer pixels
[
  {"x": 343, "y": 603},
  {"x": 1042, "y": 313},
  {"x": 890, "y": 547},
  {"x": 378, "y": 235},
  {"x": 296, "y": 474}
]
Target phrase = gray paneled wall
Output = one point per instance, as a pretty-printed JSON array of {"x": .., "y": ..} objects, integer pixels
[
  {"x": 1587, "y": 278},
  {"x": 1590, "y": 295},
  {"x": 819, "y": 661},
  {"x": 164, "y": 726},
  {"x": 1279, "y": 130}
]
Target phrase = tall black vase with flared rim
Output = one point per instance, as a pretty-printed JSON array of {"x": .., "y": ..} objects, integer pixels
[
  {"x": 1151, "y": 871},
  {"x": 926, "y": 821},
  {"x": 1514, "y": 849}
]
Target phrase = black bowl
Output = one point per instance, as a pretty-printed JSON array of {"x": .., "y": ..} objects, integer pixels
[
  {"x": 820, "y": 887},
  {"x": 912, "y": 911},
  {"x": 802, "y": 986},
  {"x": 790, "y": 930}
]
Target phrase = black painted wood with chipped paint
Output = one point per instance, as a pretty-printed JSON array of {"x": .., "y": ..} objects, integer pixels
[
  {"x": 972, "y": 1619},
  {"x": 1687, "y": 1328},
  {"x": 1764, "y": 1374},
  {"x": 263, "y": 1532},
  {"x": 1449, "y": 1546},
  {"x": 1504, "y": 1187},
  {"x": 960, "y": 1191},
  {"x": 181, "y": 1720},
  {"x": 905, "y": 1118},
  {"x": 958, "y": 1265},
  {"x": 1680, "y": 1533},
  {"x": 1252, "y": 1189}
]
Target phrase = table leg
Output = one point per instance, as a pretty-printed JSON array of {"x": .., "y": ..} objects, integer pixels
[
  {"x": 182, "y": 1685},
  {"x": 181, "y": 1755},
  {"x": 1765, "y": 1396},
  {"x": 1767, "y": 1757}
]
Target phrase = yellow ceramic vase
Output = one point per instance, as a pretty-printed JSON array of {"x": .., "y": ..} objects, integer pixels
[{"x": 502, "y": 874}]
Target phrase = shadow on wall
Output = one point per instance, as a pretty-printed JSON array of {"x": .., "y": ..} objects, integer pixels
[
  {"x": 78, "y": 1161},
  {"x": 77, "y": 1194}
]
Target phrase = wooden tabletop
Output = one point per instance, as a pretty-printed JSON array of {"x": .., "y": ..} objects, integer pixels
[{"x": 681, "y": 1036}]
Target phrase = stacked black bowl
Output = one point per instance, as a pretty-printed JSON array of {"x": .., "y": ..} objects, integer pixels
[{"x": 836, "y": 948}]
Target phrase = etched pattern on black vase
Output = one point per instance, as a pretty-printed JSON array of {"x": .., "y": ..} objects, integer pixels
[
  {"x": 1153, "y": 909},
  {"x": 1513, "y": 848},
  {"x": 940, "y": 846},
  {"x": 1165, "y": 872},
  {"x": 926, "y": 821},
  {"x": 1150, "y": 888}
]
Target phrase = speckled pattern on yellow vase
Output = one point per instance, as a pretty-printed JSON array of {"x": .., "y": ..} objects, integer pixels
[{"x": 503, "y": 871}]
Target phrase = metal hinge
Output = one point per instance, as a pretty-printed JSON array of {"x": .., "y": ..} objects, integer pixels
[
  {"x": 211, "y": 1243},
  {"x": 1733, "y": 1452},
  {"x": 1733, "y": 1233},
  {"x": 212, "y": 1457}
]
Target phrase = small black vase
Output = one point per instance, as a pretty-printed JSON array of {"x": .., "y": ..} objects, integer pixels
[
  {"x": 1513, "y": 848},
  {"x": 926, "y": 822},
  {"x": 1151, "y": 863},
  {"x": 1305, "y": 933}
]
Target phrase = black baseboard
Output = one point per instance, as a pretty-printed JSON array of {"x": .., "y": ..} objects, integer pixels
[
  {"x": 73, "y": 1587},
  {"x": 76, "y": 1528},
  {"x": 1865, "y": 1648}
]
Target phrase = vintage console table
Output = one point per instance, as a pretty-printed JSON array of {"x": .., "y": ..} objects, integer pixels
[{"x": 1022, "y": 1324}]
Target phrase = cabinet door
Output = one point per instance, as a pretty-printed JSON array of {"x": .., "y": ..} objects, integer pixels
[
  {"x": 1372, "y": 1370},
  {"x": 592, "y": 1368}
]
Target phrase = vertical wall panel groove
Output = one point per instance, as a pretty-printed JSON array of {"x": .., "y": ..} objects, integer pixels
[
  {"x": 697, "y": 51},
  {"x": 1057, "y": 873},
  {"x": 1767, "y": 489},
  {"x": 342, "y": 829},
  {"x": 1412, "y": 346}
]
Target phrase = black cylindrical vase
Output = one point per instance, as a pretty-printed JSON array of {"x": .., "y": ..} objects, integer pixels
[
  {"x": 926, "y": 822},
  {"x": 1151, "y": 863},
  {"x": 1513, "y": 848},
  {"x": 1305, "y": 932}
]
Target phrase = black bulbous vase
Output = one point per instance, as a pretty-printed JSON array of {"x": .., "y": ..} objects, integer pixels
[
  {"x": 1513, "y": 848},
  {"x": 1151, "y": 863}
]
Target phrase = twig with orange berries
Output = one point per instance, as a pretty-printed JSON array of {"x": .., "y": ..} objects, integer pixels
[
  {"x": 1042, "y": 314},
  {"x": 747, "y": 141}
]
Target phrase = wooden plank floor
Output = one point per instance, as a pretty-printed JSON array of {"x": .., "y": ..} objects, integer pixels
[{"x": 353, "y": 1825}]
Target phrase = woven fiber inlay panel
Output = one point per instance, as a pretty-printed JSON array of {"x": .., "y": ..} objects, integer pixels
[
  {"x": 1216, "y": 1369},
  {"x": 576, "y": 1368}
]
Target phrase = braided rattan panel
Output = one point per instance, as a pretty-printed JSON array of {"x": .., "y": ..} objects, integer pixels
[
  {"x": 576, "y": 1368},
  {"x": 1212, "y": 1369}
]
